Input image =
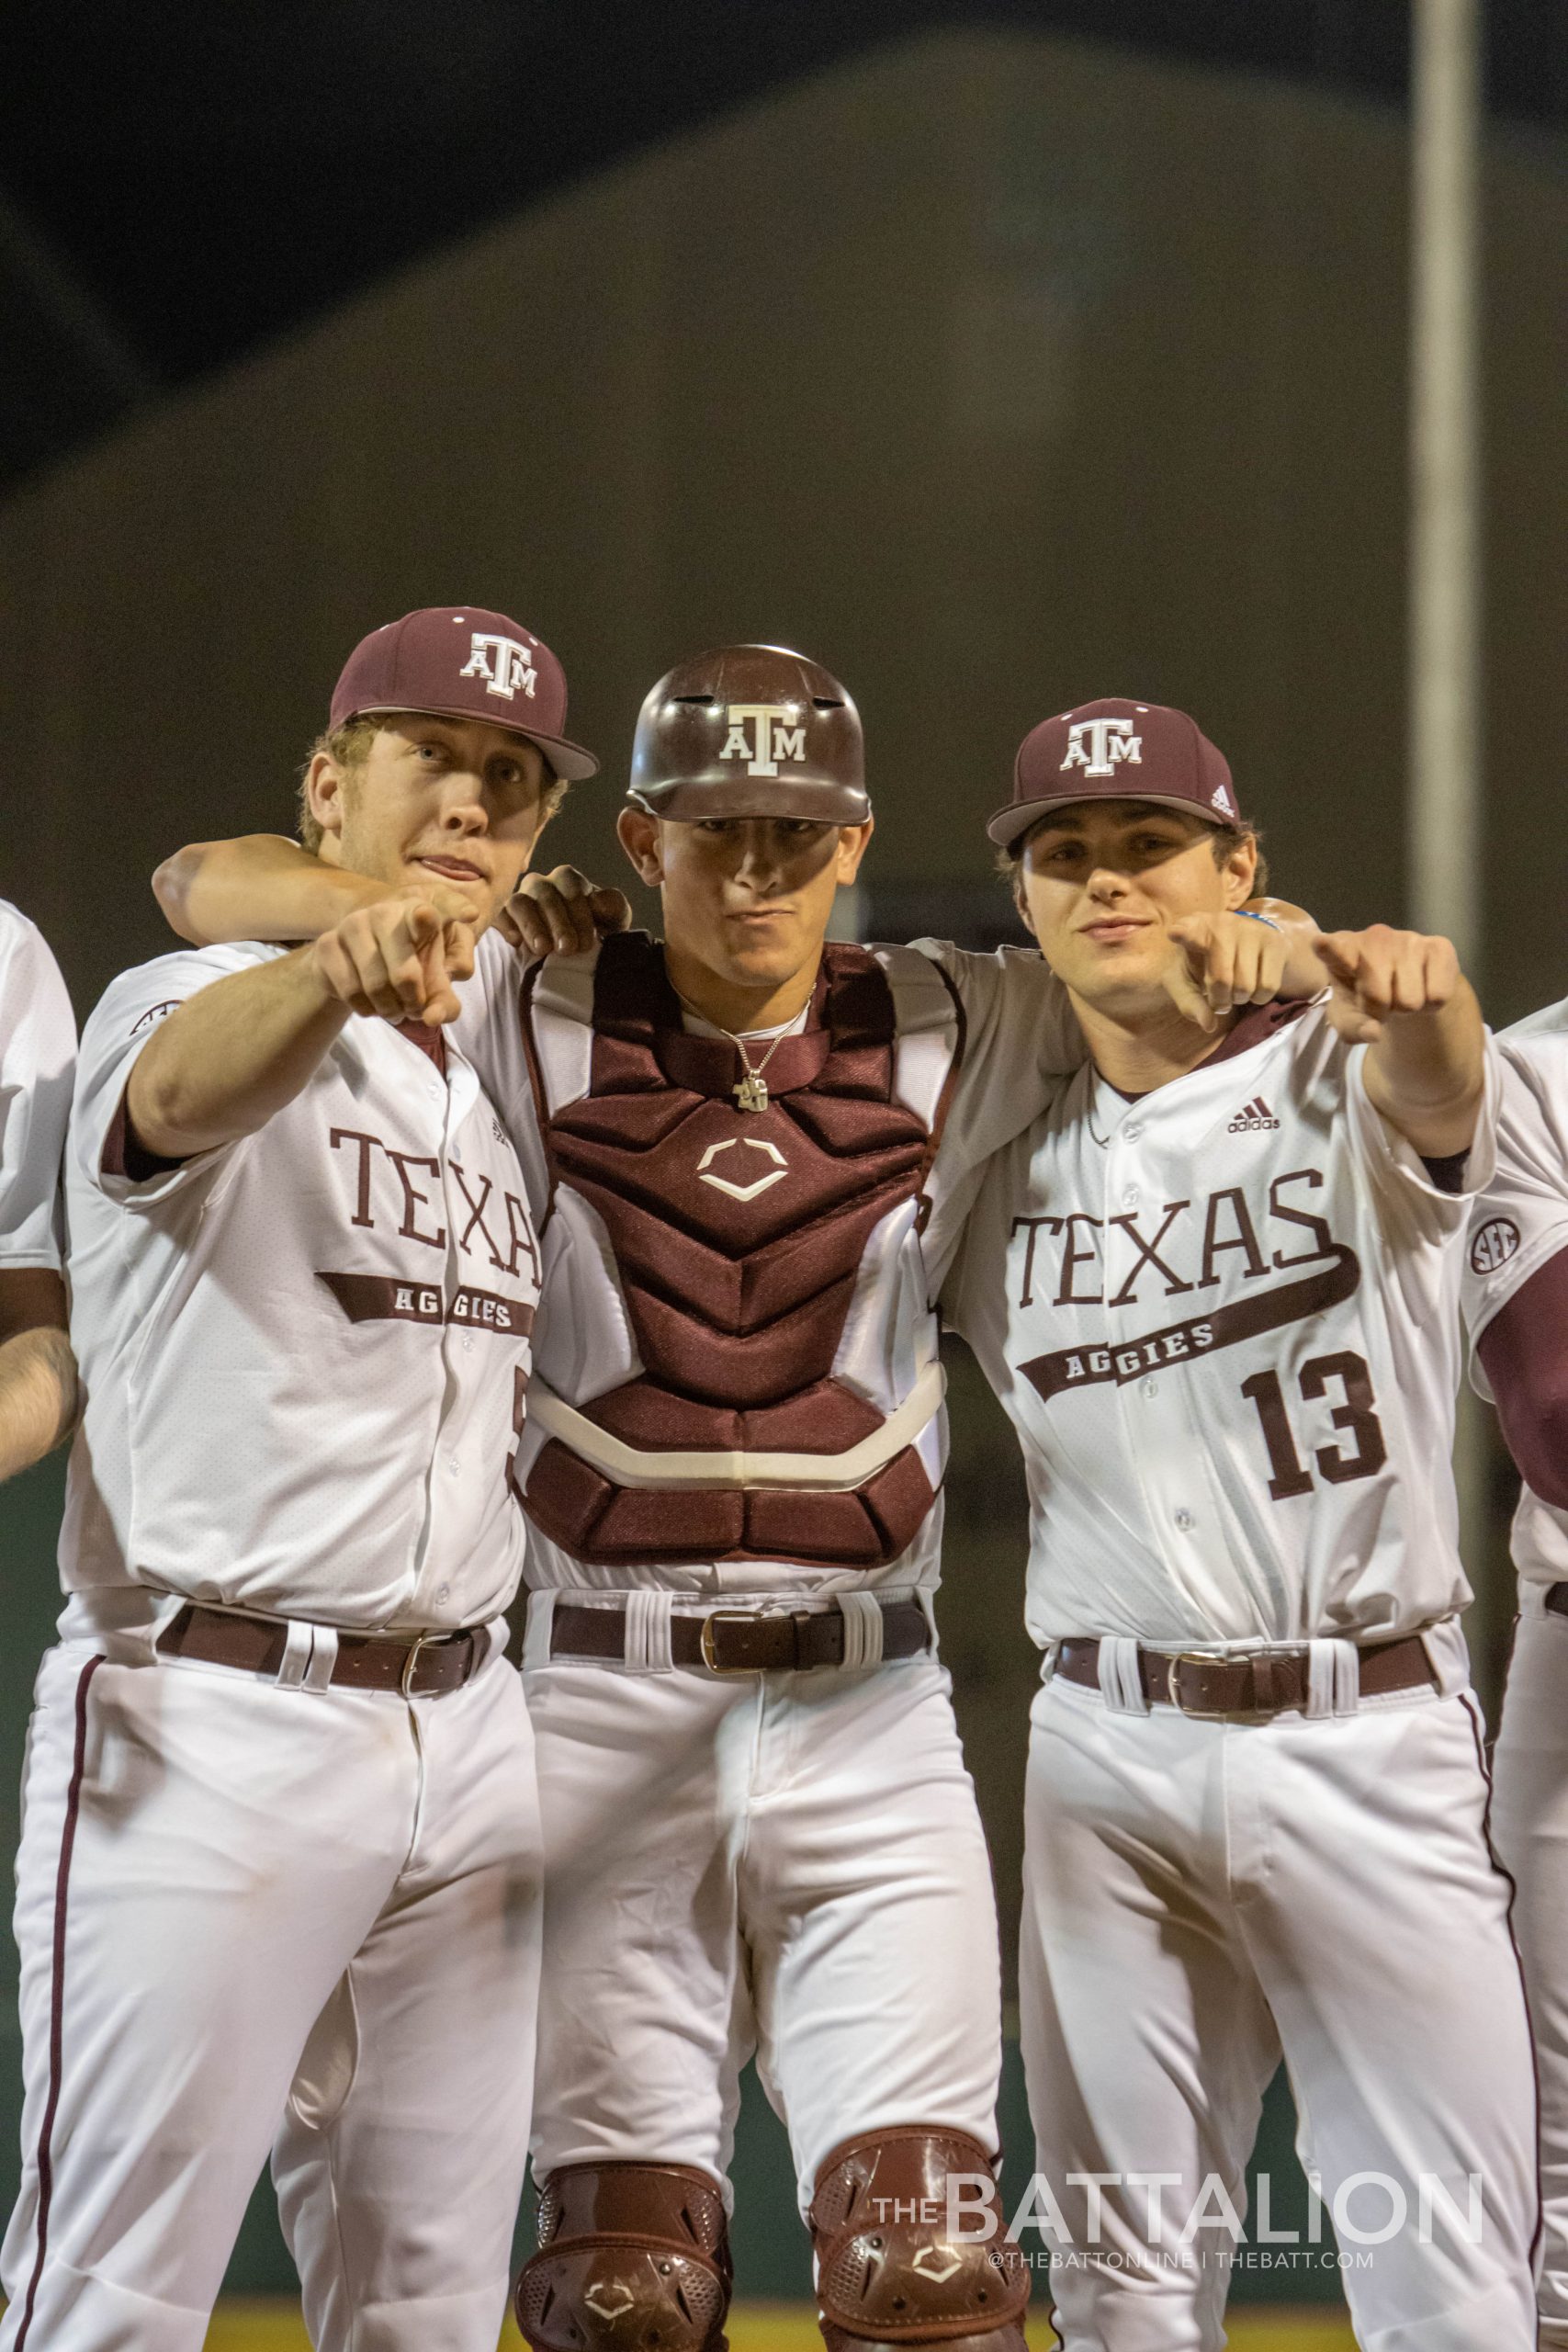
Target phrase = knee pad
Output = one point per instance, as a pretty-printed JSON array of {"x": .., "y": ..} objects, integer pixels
[
  {"x": 632, "y": 2258},
  {"x": 888, "y": 2272}
]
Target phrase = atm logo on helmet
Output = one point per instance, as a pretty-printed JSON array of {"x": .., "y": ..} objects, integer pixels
[{"x": 773, "y": 737}]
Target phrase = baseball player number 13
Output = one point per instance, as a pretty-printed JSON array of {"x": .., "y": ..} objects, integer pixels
[{"x": 1356, "y": 1414}]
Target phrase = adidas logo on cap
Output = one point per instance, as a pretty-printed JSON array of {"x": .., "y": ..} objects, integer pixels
[{"x": 1252, "y": 1118}]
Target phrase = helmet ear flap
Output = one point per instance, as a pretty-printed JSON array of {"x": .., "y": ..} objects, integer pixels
[{"x": 751, "y": 731}]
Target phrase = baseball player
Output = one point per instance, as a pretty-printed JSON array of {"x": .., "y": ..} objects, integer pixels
[
  {"x": 280, "y": 1851},
  {"x": 1515, "y": 1270},
  {"x": 748, "y": 1148},
  {"x": 38, "y": 1052},
  {"x": 1215, "y": 1286}
]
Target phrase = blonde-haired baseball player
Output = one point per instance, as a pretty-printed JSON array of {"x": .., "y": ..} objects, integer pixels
[
  {"x": 38, "y": 1054},
  {"x": 279, "y": 1874},
  {"x": 1216, "y": 1287},
  {"x": 1516, "y": 1303}
]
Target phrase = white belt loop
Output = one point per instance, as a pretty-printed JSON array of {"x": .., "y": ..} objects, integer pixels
[
  {"x": 1448, "y": 1655},
  {"x": 295, "y": 1663},
  {"x": 863, "y": 1628},
  {"x": 1333, "y": 1678},
  {"x": 647, "y": 1616},
  {"x": 318, "y": 1674},
  {"x": 536, "y": 1630},
  {"x": 1121, "y": 1684}
]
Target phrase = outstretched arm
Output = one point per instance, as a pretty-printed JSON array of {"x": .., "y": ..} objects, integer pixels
[
  {"x": 1403, "y": 994},
  {"x": 238, "y": 1049}
]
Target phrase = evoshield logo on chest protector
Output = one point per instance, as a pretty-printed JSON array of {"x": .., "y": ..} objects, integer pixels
[
  {"x": 772, "y": 738},
  {"x": 504, "y": 664},
  {"x": 774, "y": 1175},
  {"x": 1099, "y": 746}
]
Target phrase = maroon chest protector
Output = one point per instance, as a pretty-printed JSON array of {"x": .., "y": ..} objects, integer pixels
[{"x": 738, "y": 1238}]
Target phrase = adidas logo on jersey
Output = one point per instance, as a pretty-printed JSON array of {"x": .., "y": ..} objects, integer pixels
[{"x": 1252, "y": 1119}]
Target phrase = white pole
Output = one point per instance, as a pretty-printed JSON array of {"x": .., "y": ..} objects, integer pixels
[
  {"x": 1445, "y": 587},
  {"x": 1445, "y": 604}
]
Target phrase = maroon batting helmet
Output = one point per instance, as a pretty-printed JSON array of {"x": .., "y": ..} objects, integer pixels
[{"x": 750, "y": 730}]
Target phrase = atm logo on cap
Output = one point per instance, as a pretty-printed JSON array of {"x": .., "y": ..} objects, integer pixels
[
  {"x": 504, "y": 664},
  {"x": 772, "y": 738},
  {"x": 1098, "y": 745}
]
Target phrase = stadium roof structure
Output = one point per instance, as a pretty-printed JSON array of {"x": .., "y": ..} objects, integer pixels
[{"x": 183, "y": 183}]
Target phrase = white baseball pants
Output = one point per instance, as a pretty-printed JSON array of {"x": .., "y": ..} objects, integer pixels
[
  {"x": 1529, "y": 1823},
  {"x": 1199, "y": 1897},
  {"x": 788, "y": 1863},
  {"x": 229, "y": 1892}
]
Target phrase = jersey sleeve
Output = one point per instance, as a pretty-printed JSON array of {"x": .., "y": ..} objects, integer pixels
[
  {"x": 1414, "y": 1203},
  {"x": 38, "y": 1051},
  {"x": 1519, "y": 1224},
  {"x": 1021, "y": 1038},
  {"x": 1021, "y": 1034},
  {"x": 117, "y": 1028}
]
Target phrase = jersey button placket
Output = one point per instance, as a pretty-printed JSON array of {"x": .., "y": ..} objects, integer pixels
[
  {"x": 1153, "y": 1434},
  {"x": 449, "y": 1101}
]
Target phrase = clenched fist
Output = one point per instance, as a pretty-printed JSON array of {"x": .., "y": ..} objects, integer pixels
[{"x": 1378, "y": 973}]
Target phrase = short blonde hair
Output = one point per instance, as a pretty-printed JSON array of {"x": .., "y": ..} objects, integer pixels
[{"x": 348, "y": 746}]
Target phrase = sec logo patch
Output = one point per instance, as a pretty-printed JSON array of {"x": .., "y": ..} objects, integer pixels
[{"x": 1492, "y": 1244}]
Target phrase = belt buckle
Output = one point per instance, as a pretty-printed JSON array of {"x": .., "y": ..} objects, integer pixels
[
  {"x": 1172, "y": 1691},
  {"x": 727, "y": 1617},
  {"x": 405, "y": 1680}
]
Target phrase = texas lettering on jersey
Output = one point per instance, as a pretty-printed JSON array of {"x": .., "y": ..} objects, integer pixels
[
  {"x": 386, "y": 1197},
  {"x": 1069, "y": 1260}
]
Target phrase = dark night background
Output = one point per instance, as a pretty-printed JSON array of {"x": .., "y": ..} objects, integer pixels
[{"x": 1001, "y": 356}]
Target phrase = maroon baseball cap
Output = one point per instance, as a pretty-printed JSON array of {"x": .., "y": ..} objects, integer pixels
[
  {"x": 1116, "y": 751},
  {"x": 459, "y": 662}
]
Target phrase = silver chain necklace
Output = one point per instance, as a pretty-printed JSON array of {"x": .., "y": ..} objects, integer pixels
[{"x": 751, "y": 1093}]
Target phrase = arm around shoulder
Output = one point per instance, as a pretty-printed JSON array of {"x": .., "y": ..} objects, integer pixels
[{"x": 258, "y": 886}]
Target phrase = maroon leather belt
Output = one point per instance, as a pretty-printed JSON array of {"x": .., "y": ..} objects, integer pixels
[
  {"x": 1264, "y": 1683},
  {"x": 417, "y": 1664},
  {"x": 741, "y": 1641}
]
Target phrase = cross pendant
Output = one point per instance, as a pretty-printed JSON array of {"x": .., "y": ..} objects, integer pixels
[{"x": 751, "y": 1094}]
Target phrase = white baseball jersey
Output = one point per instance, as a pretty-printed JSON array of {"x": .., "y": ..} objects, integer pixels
[
  {"x": 304, "y": 1352},
  {"x": 38, "y": 1050},
  {"x": 1519, "y": 1226},
  {"x": 1223, "y": 1318},
  {"x": 1016, "y": 1031}
]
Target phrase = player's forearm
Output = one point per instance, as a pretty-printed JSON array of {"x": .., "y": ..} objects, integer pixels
[
  {"x": 1426, "y": 1073},
  {"x": 1303, "y": 975},
  {"x": 37, "y": 1396},
  {"x": 233, "y": 1054},
  {"x": 259, "y": 886}
]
